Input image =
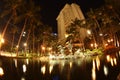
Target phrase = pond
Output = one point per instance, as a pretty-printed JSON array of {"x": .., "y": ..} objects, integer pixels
[{"x": 105, "y": 67}]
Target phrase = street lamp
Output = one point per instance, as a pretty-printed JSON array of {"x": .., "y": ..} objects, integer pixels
[
  {"x": 25, "y": 45},
  {"x": 89, "y": 32}
]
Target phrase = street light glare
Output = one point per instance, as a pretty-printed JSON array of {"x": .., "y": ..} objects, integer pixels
[
  {"x": 88, "y": 31},
  {"x": 25, "y": 44}
]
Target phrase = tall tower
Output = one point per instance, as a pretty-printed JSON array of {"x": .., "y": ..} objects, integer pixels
[{"x": 69, "y": 13}]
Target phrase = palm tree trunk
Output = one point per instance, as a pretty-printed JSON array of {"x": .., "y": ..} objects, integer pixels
[
  {"x": 33, "y": 41},
  {"x": 12, "y": 42},
  {"x": 6, "y": 26},
  {"x": 102, "y": 38},
  {"x": 21, "y": 36}
]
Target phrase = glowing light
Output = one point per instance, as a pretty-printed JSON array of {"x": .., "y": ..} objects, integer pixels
[
  {"x": 43, "y": 48},
  {"x": 50, "y": 68},
  {"x": 17, "y": 46},
  {"x": 96, "y": 45},
  {"x": 106, "y": 44},
  {"x": 70, "y": 64},
  {"x": 2, "y": 40},
  {"x": 111, "y": 60},
  {"x": 91, "y": 45},
  {"x": 43, "y": 69},
  {"x": 22, "y": 78},
  {"x": 27, "y": 61},
  {"x": 101, "y": 34},
  {"x": 66, "y": 35},
  {"x": 15, "y": 60},
  {"x": 108, "y": 58},
  {"x": 115, "y": 61},
  {"x": 88, "y": 31},
  {"x": 93, "y": 71},
  {"x": 1, "y": 71},
  {"x": 24, "y": 68},
  {"x": 25, "y": 44},
  {"x": 111, "y": 40},
  {"x": 98, "y": 62},
  {"x": 105, "y": 70},
  {"x": 108, "y": 40}
]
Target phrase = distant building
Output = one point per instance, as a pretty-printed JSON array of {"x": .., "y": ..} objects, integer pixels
[{"x": 69, "y": 13}]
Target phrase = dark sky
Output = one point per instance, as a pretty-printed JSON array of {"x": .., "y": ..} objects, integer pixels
[{"x": 51, "y": 8}]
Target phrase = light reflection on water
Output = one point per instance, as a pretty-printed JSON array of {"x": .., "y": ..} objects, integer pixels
[
  {"x": 1, "y": 71},
  {"x": 87, "y": 68}
]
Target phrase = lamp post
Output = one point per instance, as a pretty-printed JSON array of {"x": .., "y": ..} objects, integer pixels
[{"x": 25, "y": 45}]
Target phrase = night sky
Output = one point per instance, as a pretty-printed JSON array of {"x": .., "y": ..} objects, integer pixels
[{"x": 51, "y": 8}]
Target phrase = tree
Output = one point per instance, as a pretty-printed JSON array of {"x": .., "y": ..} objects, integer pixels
[
  {"x": 29, "y": 15},
  {"x": 14, "y": 30},
  {"x": 9, "y": 11}
]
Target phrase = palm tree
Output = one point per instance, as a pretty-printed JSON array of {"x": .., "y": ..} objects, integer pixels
[
  {"x": 9, "y": 11},
  {"x": 75, "y": 31},
  {"x": 14, "y": 30},
  {"x": 30, "y": 15}
]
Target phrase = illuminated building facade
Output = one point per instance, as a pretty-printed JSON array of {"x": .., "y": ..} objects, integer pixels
[{"x": 69, "y": 13}]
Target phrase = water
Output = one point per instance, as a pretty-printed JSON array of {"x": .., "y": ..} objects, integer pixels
[{"x": 87, "y": 68}]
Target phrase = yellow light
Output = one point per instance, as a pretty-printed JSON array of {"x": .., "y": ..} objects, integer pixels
[
  {"x": 91, "y": 45},
  {"x": 43, "y": 69},
  {"x": 88, "y": 31},
  {"x": 43, "y": 48},
  {"x": 17, "y": 46},
  {"x": 2, "y": 40},
  {"x": 25, "y": 44},
  {"x": 66, "y": 35},
  {"x": 1, "y": 71},
  {"x": 49, "y": 48}
]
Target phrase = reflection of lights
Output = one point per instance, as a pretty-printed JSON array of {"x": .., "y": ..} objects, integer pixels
[
  {"x": 43, "y": 69},
  {"x": 50, "y": 68},
  {"x": 22, "y": 78},
  {"x": 70, "y": 64},
  {"x": 108, "y": 58},
  {"x": 27, "y": 61},
  {"x": 93, "y": 71},
  {"x": 98, "y": 62},
  {"x": 111, "y": 60},
  {"x": 24, "y": 68},
  {"x": 115, "y": 61},
  {"x": 105, "y": 70},
  {"x": 15, "y": 60},
  {"x": 1, "y": 71}
]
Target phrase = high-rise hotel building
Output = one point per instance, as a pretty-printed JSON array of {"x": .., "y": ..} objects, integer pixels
[{"x": 69, "y": 13}]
